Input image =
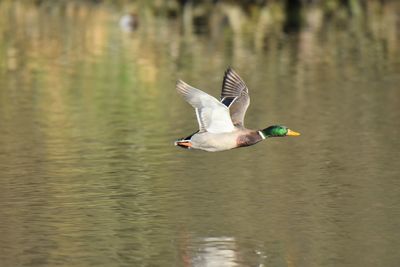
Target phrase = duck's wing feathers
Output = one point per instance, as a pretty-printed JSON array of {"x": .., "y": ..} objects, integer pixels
[
  {"x": 235, "y": 95},
  {"x": 212, "y": 115}
]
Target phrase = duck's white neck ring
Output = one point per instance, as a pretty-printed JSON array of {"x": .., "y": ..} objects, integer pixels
[{"x": 262, "y": 135}]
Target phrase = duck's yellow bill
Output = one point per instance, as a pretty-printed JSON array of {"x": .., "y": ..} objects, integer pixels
[{"x": 292, "y": 133}]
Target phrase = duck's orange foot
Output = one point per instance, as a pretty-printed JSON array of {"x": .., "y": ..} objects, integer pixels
[{"x": 184, "y": 144}]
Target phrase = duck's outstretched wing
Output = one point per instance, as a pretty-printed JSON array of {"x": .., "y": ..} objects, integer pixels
[
  {"x": 235, "y": 95},
  {"x": 212, "y": 115}
]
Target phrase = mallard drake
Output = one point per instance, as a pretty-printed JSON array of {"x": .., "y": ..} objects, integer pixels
[{"x": 221, "y": 125}]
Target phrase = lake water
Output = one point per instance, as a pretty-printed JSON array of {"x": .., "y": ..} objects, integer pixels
[{"x": 89, "y": 175}]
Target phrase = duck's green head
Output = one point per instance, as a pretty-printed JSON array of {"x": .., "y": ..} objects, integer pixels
[{"x": 277, "y": 131}]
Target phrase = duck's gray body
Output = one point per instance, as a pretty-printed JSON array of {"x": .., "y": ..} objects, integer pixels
[{"x": 213, "y": 142}]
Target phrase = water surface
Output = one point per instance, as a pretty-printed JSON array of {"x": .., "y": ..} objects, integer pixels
[{"x": 89, "y": 175}]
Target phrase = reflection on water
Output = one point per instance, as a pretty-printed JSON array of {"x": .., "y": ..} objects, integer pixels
[
  {"x": 214, "y": 251},
  {"x": 88, "y": 115}
]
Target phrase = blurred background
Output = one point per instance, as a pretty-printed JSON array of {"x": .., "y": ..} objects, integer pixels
[{"x": 89, "y": 113}]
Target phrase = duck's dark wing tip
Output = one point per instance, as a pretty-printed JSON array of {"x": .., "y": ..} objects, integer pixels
[
  {"x": 235, "y": 95},
  {"x": 232, "y": 85}
]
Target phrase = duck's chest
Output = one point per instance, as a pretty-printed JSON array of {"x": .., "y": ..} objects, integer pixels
[{"x": 248, "y": 139}]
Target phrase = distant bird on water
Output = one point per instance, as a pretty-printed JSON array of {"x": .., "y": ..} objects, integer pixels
[
  {"x": 129, "y": 22},
  {"x": 221, "y": 122}
]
